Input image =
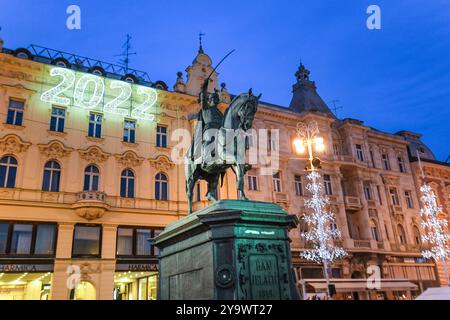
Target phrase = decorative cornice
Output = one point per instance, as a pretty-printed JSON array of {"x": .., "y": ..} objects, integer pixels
[
  {"x": 94, "y": 154},
  {"x": 162, "y": 163},
  {"x": 129, "y": 159},
  {"x": 12, "y": 143},
  {"x": 54, "y": 149}
]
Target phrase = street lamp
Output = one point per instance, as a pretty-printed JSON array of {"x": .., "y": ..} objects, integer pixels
[
  {"x": 307, "y": 137},
  {"x": 320, "y": 233}
]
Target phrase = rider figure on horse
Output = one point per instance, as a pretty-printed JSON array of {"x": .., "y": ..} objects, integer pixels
[{"x": 209, "y": 116}]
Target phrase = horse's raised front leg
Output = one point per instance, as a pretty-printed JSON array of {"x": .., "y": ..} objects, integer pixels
[
  {"x": 213, "y": 182},
  {"x": 240, "y": 172}
]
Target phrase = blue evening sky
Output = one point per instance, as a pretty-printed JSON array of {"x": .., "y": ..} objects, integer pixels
[{"x": 396, "y": 78}]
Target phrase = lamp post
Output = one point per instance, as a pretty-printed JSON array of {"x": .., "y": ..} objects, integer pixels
[{"x": 321, "y": 234}]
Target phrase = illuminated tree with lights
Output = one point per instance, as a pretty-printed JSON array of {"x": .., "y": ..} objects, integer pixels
[
  {"x": 322, "y": 229},
  {"x": 435, "y": 229}
]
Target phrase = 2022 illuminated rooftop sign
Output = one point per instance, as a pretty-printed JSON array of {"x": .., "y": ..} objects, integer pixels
[{"x": 91, "y": 92}]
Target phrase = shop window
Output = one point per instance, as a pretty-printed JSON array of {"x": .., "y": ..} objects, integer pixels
[
  {"x": 27, "y": 238},
  {"x": 147, "y": 288},
  {"x": 86, "y": 241},
  {"x": 45, "y": 239},
  {"x": 8, "y": 171},
  {"x": 15, "y": 112},
  {"x": 52, "y": 175},
  {"x": 136, "y": 241}
]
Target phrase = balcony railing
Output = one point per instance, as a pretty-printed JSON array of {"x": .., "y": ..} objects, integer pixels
[
  {"x": 361, "y": 243},
  {"x": 90, "y": 204},
  {"x": 352, "y": 203},
  {"x": 281, "y": 197},
  {"x": 91, "y": 196}
]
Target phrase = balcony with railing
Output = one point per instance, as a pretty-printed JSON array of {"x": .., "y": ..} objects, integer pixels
[
  {"x": 90, "y": 204},
  {"x": 353, "y": 203}
]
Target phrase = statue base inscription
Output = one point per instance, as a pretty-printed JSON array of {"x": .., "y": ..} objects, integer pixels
[{"x": 230, "y": 250}]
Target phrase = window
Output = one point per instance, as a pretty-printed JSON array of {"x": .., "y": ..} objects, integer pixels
[
  {"x": 371, "y": 158},
  {"x": 394, "y": 197},
  {"x": 401, "y": 164},
  {"x": 298, "y": 185},
  {"x": 91, "y": 178},
  {"x": 336, "y": 149},
  {"x": 15, "y": 112},
  {"x": 143, "y": 242},
  {"x": 367, "y": 191},
  {"x": 327, "y": 182},
  {"x": 45, "y": 239},
  {"x": 86, "y": 240},
  {"x": 417, "y": 237},
  {"x": 198, "y": 190},
  {"x": 52, "y": 175},
  {"x": 57, "y": 119},
  {"x": 401, "y": 234},
  {"x": 161, "y": 136},
  {"x": 136, "y": 241},
  {"x": 161, "y": 187},
  {"x": 127, "y": 184},
  {"x": 27, "y": 238},
  {"x": 21, "y": 239},
  {"x": 303, "y": 225},
  {"x": 379, "y": 195},
  {"x": 277, "y": 182},
  {"x": 124, "y": 241},
  {"x": 95, "y": 125},
  {"x": 409, "y": 200},
  {"x": 4, "y": 228},
  {"x": 374, "y": 230},
  {"x": 385, "y": 160},
  {"x": 8, "y": 170},
  {"x": 129, "y": 131},
  {"x": 252, "y": 182},
  {"x": 359, "y": 152}
]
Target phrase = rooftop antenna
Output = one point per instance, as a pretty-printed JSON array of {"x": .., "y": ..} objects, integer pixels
[
  {"x": 126, "y": 53},
  {"x": 335, "y": 107}
]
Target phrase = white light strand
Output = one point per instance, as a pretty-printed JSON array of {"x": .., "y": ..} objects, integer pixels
[
  {"x": 122, "y": 98},
  {"x": 67, "y": 81},
  {"x": 435, "y": 228},
  {"x": 81, "y": 89},
  {"x": 142, "y": 111},
  {"x": 320, "y": 231}
]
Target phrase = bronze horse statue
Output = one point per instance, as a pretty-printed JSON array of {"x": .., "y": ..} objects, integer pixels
[{"x": 237, "y": 118}]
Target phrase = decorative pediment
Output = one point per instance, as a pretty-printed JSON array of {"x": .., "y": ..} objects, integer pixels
[
  {"x": 13, "y": 144},
  {"x": 94, "y": 154},
  {"x": 390, "y": 179},
  {"x": 162, "y": 163},
  {"x": 129, "y": 159},
  {"x": 54, "y": 149}
]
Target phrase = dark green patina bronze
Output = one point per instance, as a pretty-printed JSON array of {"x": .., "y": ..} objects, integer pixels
[{"x": 232, "y": 249}]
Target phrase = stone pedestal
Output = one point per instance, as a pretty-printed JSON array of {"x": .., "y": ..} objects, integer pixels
[{"x": 232, "y": 249}]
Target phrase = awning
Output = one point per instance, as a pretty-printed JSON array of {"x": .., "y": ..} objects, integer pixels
[{"x": 358, "y": 285}]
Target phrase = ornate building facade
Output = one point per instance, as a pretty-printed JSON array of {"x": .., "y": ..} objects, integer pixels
[{"x": 88, "y": 178}]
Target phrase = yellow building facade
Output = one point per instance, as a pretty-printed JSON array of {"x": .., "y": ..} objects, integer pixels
[{"x": 89, "y": 176}]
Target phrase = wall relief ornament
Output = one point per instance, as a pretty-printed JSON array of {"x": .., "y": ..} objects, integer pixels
[
  {"x": 94, "y": 154},
  {"x": 54, "y": 149},
  {"x": 129, "y": 159},
  {"x": 161, "y": 163},
  {"x": 13, "y": 144}
]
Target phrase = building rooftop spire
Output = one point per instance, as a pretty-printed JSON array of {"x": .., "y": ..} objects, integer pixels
[{"x": 200, "y": 48}]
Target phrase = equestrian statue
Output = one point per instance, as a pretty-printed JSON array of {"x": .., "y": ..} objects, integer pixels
[{"x": 219, "y": 141}]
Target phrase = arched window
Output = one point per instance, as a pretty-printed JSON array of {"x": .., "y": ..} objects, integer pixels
[
  {"x": 374, "y": 230},
  {"x": 8, "y": 171},
  {"x": 52, "y": 175},
  {"x": 127, "y": 184},
  {"x": 91, "y": 178},
  {"x": 401, "y": 234},
  {"x": 161, "y": 186},
  {"x": 417, "y": 237}
]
